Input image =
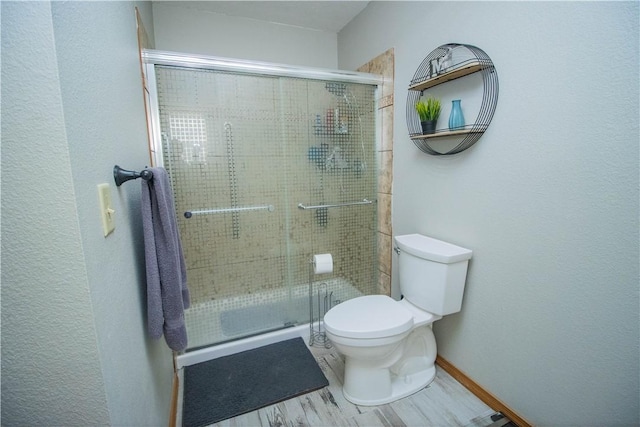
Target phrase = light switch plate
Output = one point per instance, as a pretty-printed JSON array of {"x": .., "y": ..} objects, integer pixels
[{"x": 107, "y": 214}]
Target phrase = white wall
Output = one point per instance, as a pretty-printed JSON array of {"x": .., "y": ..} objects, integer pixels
[
  {"x": 203, "y": 32},
  {"x": 547, "y": 199},
  {"x": 74, "y": 346}
]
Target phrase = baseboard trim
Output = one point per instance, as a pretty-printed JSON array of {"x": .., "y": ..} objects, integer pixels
[
  {"x": 482, "y": 394},
  {"x": 173, "y": 414}
]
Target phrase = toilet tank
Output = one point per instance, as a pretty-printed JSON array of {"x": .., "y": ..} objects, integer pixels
[{"x": 432, "y": 273}]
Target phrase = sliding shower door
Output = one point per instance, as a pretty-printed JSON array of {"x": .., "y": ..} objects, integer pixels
[{"x": 268, "y": 171}]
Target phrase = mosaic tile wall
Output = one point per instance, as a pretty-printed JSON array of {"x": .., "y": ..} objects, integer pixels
[{"x": 238, "y": 141}]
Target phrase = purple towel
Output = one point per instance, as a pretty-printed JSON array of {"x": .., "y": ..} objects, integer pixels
[{"x": 167, "y": 293}]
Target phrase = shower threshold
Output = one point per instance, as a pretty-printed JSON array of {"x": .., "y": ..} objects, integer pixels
[{"x": 244, "y": 344}]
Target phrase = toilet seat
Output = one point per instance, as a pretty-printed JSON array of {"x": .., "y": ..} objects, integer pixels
[{"x": 372, "y": 316}]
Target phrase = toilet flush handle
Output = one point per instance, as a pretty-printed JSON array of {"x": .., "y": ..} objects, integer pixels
[{"x": 397, "y": 249}]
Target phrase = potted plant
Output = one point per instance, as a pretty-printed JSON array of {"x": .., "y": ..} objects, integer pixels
[{"x": 429, "y": 111}]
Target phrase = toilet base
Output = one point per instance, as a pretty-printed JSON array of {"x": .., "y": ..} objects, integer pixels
[
  {"x": 401, "y": 386},
  {"x": 408, "y": 369}
]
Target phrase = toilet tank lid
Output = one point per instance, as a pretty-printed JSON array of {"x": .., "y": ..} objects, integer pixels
[{"x": 432, "y": 249}]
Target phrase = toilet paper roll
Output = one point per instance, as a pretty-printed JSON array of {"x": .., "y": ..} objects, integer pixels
[{"x": 322, "y": 263}]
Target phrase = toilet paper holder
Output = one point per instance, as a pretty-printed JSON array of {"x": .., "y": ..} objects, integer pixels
[{"x": 323, "y": 299}]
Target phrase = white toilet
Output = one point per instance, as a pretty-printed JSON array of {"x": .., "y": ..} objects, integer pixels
[{"x": 388, "y": 345}]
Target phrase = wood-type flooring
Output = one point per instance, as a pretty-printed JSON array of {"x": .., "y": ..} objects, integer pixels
[{"x": 445, "y": 402}]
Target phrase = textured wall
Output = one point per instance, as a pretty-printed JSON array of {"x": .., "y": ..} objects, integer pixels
[
  {"x": 50, "y": 361},
  {"x": 74, "y": 346},
  {"x": 97, "y": 51},
  {"x": 196, "y": 31},
  {"x": 547, "y": 199}
]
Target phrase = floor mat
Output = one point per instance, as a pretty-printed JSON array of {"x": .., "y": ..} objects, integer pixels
[{"x": 232, "y": 385}]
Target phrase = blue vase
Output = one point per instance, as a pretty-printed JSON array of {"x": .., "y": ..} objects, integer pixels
[{"x": 456, "y": 119}]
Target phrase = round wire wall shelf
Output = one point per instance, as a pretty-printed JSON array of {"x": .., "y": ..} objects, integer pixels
[{"x": 445, "y": 63}]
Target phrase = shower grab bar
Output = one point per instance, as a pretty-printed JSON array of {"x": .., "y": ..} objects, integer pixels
[
  {"x": 189, "y": 214},
  {"x": 338, "y": 205}
]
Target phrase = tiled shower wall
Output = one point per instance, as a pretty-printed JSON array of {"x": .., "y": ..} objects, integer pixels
[
  {"x": 247, "y": 141},
  {"x": 383, "y": 65}
]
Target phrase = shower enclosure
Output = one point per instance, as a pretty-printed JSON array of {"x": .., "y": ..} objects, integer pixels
[{"x": 269, "y": 165}]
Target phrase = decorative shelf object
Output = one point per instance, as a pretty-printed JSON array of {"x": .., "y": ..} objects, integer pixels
[
  {"x": 446, "y": 63},
  {"x": 444, "y": 132},
  {"x": 470, "y": 68}
]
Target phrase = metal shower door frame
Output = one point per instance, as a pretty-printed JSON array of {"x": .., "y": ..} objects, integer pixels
[{"x": 153, "y": 58}]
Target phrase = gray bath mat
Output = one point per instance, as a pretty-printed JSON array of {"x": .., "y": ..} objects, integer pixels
[{"x": 233, "y": 385}]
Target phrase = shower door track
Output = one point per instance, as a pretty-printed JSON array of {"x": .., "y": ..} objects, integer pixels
[
  {"x": 160, "y": 57},
  {"x": 243, "y": 344}
]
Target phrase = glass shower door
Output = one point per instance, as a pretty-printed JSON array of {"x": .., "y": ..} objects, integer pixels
[{"x": 243, "y": 151}]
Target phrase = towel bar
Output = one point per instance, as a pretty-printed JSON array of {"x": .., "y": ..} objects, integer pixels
[
  {"x": 338, "y": 205},
  {"x": 189, "y": 214},
  {"x": 122, "y": 175}
]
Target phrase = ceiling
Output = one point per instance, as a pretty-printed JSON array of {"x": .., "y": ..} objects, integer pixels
[{"x": 329, "y": 16}]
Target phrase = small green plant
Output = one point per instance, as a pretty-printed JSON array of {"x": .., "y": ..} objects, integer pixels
[{"x": 429, "y": 109}]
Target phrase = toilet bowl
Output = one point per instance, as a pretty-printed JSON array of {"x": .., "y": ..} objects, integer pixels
[
  {"x": 382, "y": 363},
  {"x": 389, "y": 346}
]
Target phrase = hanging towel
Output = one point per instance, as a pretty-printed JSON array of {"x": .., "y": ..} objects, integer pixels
[{"x": 167, "y": 293}]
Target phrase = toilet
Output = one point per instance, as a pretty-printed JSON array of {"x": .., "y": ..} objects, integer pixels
[{"x": 389, "y": 346}]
